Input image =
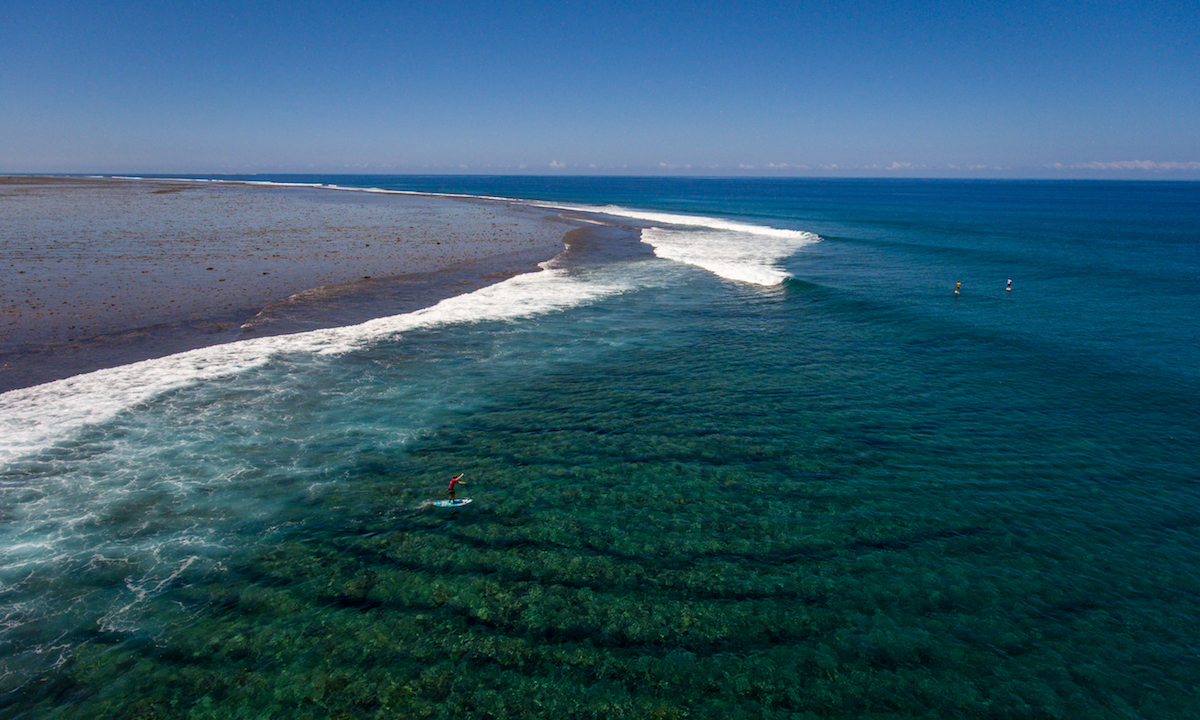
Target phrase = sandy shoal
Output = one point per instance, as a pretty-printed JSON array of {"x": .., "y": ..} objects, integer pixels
[{"x": 99, "y": 272}]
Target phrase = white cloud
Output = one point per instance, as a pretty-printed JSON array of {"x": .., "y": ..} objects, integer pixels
[
  {"x": 1149, "y": 165},
  {"x": 557, "y": 165}
]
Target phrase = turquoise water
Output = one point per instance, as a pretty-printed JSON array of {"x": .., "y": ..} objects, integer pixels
[{"x": 827, "y": 488}]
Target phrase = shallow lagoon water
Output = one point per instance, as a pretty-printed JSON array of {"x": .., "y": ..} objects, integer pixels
[{"x": 846, "y": 495}]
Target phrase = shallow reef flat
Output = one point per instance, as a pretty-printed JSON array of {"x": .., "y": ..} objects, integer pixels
[{"x": 106, "y": 271}]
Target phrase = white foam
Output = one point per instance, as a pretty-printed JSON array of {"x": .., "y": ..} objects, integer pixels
[
  {"x": 32, "y": 418},
  {"x": 271, "y": 183},
  {"x": 729, "y": 254},
  {"x": 707, "y": 222},
  {"x": 346, "y": 188},
  {"x": 733, "y": 250}
]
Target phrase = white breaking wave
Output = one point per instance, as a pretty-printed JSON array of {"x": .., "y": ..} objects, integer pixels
[
  {"x": 32, "y": 418},
  {"x": 732, "y": 250},
  {"x": 328, "y": 186},
  {"x": 730, "y": 254}
]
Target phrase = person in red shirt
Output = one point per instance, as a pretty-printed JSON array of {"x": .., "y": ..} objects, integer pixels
[{"x": 457, "y": 480}]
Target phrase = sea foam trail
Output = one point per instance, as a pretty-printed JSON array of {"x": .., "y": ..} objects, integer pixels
[
  {"x": 732, "y": 250},
  {"x": 33, "y": 418}
]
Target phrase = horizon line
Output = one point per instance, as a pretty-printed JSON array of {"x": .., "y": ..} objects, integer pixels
[{"x": 184, "y": 175}]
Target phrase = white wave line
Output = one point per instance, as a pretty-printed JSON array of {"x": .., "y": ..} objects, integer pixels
[{"x": 32, "y": 417}]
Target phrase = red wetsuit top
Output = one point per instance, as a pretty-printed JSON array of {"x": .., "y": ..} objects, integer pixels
[{"x": 455, "y": 481}]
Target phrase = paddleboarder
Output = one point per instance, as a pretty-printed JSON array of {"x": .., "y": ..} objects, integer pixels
[{"x": 456, "y": 480}]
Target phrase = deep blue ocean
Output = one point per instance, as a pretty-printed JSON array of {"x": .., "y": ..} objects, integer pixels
[{"x": 764, "y": 462}]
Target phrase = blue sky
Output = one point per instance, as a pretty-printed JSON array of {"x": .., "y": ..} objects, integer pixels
[{"x": 856, "y": 88}]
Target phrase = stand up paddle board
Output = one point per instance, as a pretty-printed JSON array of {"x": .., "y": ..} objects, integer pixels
[{"x": 452, "y": 503}]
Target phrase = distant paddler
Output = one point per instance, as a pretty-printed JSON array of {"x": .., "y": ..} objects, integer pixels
[
  {"x": 1008, "y": 287},
  {"x": 957, "y": 288}
]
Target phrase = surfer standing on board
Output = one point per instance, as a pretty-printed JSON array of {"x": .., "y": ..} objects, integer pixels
[
  {"x": 456, "y": 480},
  {"x": 957, "y": 287}
]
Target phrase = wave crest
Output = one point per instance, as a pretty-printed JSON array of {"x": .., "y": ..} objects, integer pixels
[{"x": 733, "y": 250}]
